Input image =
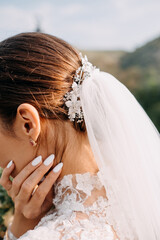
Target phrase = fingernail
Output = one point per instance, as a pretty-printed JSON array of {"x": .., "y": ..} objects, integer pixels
[
  {"x": 58, "y": 167},
  {"x": 49, "y": 160},
  {"x": 37, "y": 160},
  {"x": 9, "y": 164}
]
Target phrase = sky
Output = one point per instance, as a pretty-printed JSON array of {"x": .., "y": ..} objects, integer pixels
[{"x": 86, "y": 24}]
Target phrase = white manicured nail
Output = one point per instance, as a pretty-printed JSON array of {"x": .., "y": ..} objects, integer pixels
[
  {"x": 58, "y": 167},
  {"x": 9, "y": 164},
  {"x": 37, "y": 160},
  {"x": 49, "y": 160}
]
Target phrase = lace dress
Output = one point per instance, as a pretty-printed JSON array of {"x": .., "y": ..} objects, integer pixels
[{"x": 80, "y": 212}]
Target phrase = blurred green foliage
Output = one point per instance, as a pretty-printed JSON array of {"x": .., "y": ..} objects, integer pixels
[
  {"x": 6, "y": 204},
  {"x": 145, "y": 61},
  {"x": 149, "y": 98}
]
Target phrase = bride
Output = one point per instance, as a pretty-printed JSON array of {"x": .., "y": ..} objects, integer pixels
[{"x": 85, "y": 155}]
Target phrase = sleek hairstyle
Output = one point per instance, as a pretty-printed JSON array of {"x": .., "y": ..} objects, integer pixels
[{"x": 36, "y": 68}]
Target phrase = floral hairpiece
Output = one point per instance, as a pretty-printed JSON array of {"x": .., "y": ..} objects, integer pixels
[{"x": 72, "y": 98}]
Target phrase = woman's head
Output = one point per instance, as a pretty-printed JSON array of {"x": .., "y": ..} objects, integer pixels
[{"x": 36, "y": 70}]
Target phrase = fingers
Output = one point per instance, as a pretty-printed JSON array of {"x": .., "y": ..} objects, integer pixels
[
  {"x": 44, "y": 188},
  {"x": 22, "y": 186},
  {"x": 24, "y": 174},
  {"x": 48, "y": 202},
  {"x": 4, "y": 180},
  {"x": 30, "y": 183}
]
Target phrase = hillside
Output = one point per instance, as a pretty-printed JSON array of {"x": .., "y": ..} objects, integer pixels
[
  {"x": 140, "y": 68},
  {"x": 105, "y": 60},
  {"x": 146, "y": 56}
]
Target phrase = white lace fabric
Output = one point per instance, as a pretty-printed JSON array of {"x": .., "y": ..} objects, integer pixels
[{"x": 81, "y": 212}]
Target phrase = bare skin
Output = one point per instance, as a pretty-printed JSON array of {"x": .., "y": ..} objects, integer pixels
[
  {"x": 69, "y": 147},
  {"x": 61, "y": 139}
]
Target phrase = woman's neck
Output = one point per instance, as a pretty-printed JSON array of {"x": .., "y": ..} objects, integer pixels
[
  {"x": 78, "y": 159},
  {"x": 71, "y": 148}
]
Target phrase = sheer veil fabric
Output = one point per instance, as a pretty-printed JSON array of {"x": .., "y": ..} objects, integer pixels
[{"x": 126, "y": 146}]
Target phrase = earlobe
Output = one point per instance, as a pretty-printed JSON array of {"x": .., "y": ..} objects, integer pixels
[{"x": 29, "y": 120}]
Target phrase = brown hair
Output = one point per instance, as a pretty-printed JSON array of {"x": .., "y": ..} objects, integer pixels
[{"x": 36, "y": 68}]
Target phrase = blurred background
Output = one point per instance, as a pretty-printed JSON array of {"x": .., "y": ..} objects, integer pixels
[{"x": 121, "y": 37}]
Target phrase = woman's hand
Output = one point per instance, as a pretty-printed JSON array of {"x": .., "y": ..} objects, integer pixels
[{"x": 28, "y": 204}]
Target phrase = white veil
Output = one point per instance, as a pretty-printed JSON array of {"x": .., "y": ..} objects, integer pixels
[{"x": 126, "y": 146}]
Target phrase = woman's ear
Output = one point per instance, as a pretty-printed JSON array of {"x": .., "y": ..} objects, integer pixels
[{"x": 27, "y": 122}]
